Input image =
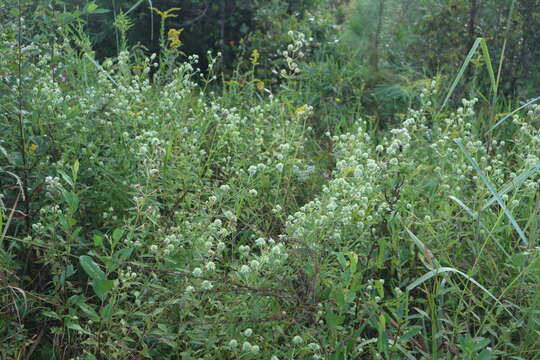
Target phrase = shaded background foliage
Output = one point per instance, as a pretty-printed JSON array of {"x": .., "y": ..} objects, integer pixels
[
  {"x": 208, "y": 25},
  {"x": 388, "y": 41}
]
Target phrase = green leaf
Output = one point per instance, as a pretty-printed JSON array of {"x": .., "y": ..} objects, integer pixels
[
  {"x": 487, "y": 59},
  {"x": 75, "y": 326},
  {"x": 101, "y": 11},
  {"x": 98, "y": 241},
  {"x": 66, "y": 177},
  {"x": 52, "y": 315},
  {"x": 410, "y": 334},
  {"x": 68, "y": 271},
  {"x": 91, "y": 313},
  {"x": 513, "y": 112},
  {"x": 91, "y": 7},
  {"x": 443, "y": 270},
  {"x": 333, "y": 320},
  {"x": 491, "y": 189},
  {"x": 117, "y": 234},
  {"x": 123, "y": 254},
  {"x": 514, "y": 183},
  {"x": 75, "y": 170},
  {"x": 102, "y": 287},
  {"x": 485, "y": 355},
  {"x": 91, "y": 268},
  {"x": 107, "y": 311},
  {"x": 461, "y": 71}
]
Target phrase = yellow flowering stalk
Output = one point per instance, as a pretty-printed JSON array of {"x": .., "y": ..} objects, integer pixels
[
  {"x": 255, "y": 55},
  {"x": 174, "y": 37},
  {"x": 167, "y": 13}
]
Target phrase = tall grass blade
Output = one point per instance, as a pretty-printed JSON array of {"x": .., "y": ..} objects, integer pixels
[
  {"x": 512, "y": 113},
  {"x": 503, "y": 51},
  {"x": 427, "y": 253},
  {"x": 461, "y": 72},
  {"x": 135, "y": 6},
  {"x": 514, "y": 183},
  {"x": 491, "y": 188},
  {"x": 100, "y": 68},
  {"x": 487, "y": 59},
  {"x": 476, "y": 217},
  {"x": 444, "y": 270},
  {"x": 464, "y": 207}
]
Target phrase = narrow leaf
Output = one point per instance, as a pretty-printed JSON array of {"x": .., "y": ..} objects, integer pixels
[
  {"x": 100, "y": 68},
  {"x": 514, "y": 183},
  {"x": 513, "y": 112},
  {"x": 443, "y": 270},
  {"x": 491, "y": 188},
  {"x": 461, "y": 71}
]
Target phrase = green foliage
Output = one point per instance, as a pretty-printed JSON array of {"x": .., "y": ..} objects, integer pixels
[{"x": 148, "y": 210}]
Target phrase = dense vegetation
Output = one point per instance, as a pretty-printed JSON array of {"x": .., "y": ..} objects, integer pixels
[{"x": 298, "y": 180}]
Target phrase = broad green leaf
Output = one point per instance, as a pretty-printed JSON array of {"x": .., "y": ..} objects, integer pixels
[
  {"x": 75, "y": 326},
  {"x": 91, "y": 268},
  {"x": 91, "y": 7},
  {"x": 102, "y": 287},
  {"x": 107, "y": 311},
  {"x": 117, "y": 234},
  {"x": 91, "y": 313},
  {"x": 98, "y": 241}
]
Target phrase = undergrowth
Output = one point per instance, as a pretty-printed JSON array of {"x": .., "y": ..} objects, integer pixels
[{"x": 152, "y": 211}]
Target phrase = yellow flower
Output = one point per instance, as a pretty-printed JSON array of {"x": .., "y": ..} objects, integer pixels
[
  {"x": 301, "y": 110},
  {"x": 174, "y": 37},
  {"x": 260, "y": 85},
  {"x": 165, "y": 14},
  {"x": 33, "y": 148},
  {"x": 338, "y": 99},
  {"x": 255, "y": 57}
]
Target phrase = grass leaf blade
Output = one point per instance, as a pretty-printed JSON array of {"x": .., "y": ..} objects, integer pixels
[
  {"x": 461, "y": 72},
  {"x": 514, "y": 183},
  {"x": 512, "y": 113},
  {"x": 491, "y": 189}
]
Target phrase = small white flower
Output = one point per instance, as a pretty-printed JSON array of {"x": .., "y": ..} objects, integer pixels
[
  {"x": 246, "y": 346},
  {"x": 189, "y": 289},
  {"x": 248, "y": 332},
  {"x": 210, "y": 266},
  {"x": 297, "y": 340},
  {"x": 197, "y": 272},
  {"x": 206, "y": 285}
]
